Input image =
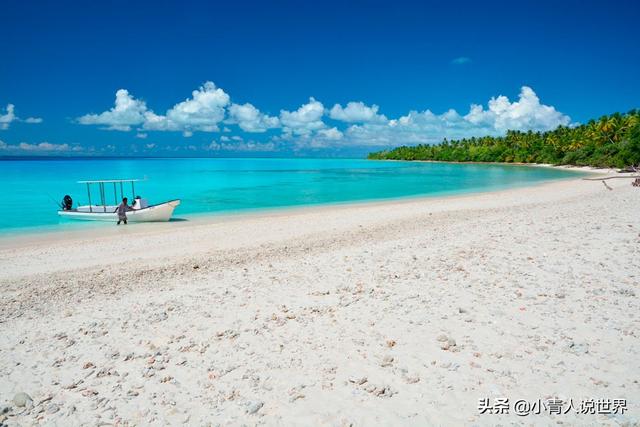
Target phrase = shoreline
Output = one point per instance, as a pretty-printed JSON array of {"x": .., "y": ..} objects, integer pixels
[
  {"x": 546, "y": 165},
  {"x": 30, "y": 235},
  {"x": 199, "y": 230}
]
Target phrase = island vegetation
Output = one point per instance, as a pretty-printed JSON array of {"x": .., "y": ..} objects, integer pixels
[{"x": 610, "y": 141}]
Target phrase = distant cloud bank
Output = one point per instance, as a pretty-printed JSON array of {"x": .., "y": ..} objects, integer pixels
[
  {"x": 312, "y": 125},
  {"x": 43, "y": 147},
  {"x": 355, "y": 123}
]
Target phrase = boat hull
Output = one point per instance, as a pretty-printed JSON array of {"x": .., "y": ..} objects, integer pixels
[{"x": 156, "y": 213}]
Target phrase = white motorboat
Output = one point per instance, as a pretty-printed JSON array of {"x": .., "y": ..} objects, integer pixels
[{"x": 141, "y": 211}]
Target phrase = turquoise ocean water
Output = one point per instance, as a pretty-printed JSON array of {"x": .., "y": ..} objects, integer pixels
[{"x": 31, "y": 188}]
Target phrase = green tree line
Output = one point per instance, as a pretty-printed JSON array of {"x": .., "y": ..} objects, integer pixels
[{"x": 610, "y": 141}]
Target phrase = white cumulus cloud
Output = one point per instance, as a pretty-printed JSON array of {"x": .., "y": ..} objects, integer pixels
[
  {"x": 9, "y": 117},
  {"x": 332, "y": 134},
  {"x": 126, "y": 112},
  {"x": 202, "y": 112},
  {"x": 426, "y": 127},
  {"x": 527, "y": 113},
  {"x": 357, "y": 112},
  {"x": 305, "y": 119},
  {"x": 250, "y": 119},
  {"x": 359, "y": 123}
]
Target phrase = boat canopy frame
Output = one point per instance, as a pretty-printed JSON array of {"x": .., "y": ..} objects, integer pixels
[{"x": 101, "y": 185}]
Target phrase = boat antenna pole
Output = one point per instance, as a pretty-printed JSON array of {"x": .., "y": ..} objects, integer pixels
[
  {"x": 102, "y": 197},
  {"x": 58, "y": 204},
  {"x": 89, "y": 193}
]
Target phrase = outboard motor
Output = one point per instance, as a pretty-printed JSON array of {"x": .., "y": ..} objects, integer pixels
[{"x": 67, "y": 203}]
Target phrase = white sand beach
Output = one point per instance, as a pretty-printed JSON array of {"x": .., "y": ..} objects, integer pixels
[{"x": 393, "y": 313}]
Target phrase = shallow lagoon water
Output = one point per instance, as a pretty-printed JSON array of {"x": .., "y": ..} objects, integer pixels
[{"x": 31, "y": 188}]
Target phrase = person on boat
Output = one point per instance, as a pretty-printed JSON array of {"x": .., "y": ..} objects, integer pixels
[{"x": 122, "y": 210}]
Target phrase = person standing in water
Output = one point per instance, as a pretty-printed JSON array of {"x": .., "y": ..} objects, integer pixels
[{"x": 122, "y": 210}]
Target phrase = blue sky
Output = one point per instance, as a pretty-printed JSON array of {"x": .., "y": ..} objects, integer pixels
[{"x": 277, "y": 78}]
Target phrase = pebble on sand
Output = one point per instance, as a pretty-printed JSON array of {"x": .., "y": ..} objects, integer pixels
[
  {"x": 53, "y": 408},
  {"x": 358, "y": 380},
  {"x": 387, "y": 361},
  {"x": 449, "y": 344},
  {"x": 253, "y": 407},
  {"x": 22, "y": 400}
]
